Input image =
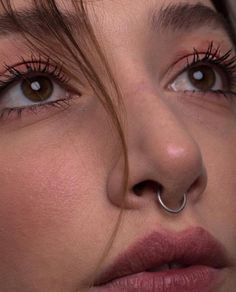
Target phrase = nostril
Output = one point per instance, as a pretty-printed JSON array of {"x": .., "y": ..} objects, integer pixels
[{"x": 146, "y": 186}]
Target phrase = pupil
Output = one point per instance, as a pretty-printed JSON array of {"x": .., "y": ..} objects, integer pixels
[
  {"x": 202, "y": 77},
  {"x": 37, "y": 89}
]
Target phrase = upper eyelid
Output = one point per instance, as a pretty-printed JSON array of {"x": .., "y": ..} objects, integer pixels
[
  {"x": 14, "y": 73},
  {"x": 172, "y": 72},
  {"x": 75, "y": 83}
]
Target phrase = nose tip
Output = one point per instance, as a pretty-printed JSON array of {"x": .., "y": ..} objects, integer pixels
[
  {"x": 174, "y": 171},
  {"x": 181, "y": 172},
  {"x": 164, "y": 152},
  {"x": 181, "y": 163}
]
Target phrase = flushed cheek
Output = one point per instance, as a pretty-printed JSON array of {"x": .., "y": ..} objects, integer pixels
[
  {"x": 217, "y": 207},
  {"x": 51, "y": 208}
]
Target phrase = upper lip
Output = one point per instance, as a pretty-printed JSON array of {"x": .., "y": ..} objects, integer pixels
[{"x": 194, "y": 246}]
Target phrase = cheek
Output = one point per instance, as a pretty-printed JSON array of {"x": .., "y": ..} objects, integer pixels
[
  {"x": 217, "y": 208},
  {"x": 54, "y": 199}
]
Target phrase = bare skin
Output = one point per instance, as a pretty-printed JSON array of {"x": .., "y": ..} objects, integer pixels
[{"x": 61, "y": 171}]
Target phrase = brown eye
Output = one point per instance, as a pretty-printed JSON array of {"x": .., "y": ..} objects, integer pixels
[
  {"x": 38, "y": 88},
  {"x": 202, "y": 77}
]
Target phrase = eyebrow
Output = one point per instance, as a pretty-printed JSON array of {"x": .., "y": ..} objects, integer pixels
[
  {"x": 37, "y": 22},
  {"x": 174, "y": 17},
  {"x": 189, "y": 17}
]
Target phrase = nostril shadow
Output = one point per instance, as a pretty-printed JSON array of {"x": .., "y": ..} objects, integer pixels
[{"x": 147, "y": 186}]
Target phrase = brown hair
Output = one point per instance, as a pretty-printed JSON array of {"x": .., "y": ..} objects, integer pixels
[
  {"x": 76, "y": 55},
  {"x": 79, "y": 54}
]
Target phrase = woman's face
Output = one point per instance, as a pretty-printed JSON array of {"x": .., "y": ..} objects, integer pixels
[{"x": 62, "y": 171}]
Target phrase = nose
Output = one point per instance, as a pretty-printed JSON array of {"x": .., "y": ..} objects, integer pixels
[{"x": 162, "y": 156}]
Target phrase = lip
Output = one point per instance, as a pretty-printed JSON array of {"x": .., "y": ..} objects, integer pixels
[{"x": 204, "y": 259}]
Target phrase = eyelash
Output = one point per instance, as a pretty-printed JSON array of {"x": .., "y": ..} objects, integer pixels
[
  {"x": 212, "y": 56},
  {"x": 35, "y": 66}
]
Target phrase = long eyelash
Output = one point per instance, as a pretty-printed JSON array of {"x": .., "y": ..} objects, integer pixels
[
  {"x": 213, "y": 56},
  {"x": 35, "y": 65}
]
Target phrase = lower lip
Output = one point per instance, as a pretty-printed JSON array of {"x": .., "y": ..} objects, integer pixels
[{"x": 194, "y": 278}]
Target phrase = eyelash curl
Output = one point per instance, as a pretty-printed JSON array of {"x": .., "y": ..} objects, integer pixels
[
  {"x": 38, "y": 65},
  {"x": 35, "y": 66},
  {"x": 212, "y": 56}
]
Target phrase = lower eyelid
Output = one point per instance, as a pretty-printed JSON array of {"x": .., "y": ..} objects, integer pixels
[
  {"x": 23, "y": 116},
  {"x": 209, "y": 99}
]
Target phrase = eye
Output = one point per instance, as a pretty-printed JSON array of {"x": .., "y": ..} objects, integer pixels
[
  {"x": 201, "y": 77},
  {"x": 37, "y": 88},
  {"x": 29, "y": 91}
]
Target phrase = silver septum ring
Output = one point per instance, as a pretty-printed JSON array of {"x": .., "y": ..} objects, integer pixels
[{"x": 173, "y": 211}]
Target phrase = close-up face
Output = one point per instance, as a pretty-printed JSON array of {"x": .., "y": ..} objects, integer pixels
[{"x": 131, "y": 192}]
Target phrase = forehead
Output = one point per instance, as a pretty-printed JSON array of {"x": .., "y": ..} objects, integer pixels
[
  {"x": 123, "y": 15},
  {"x": 109, "y": 16},
  {"x": 114, "y": 20}
]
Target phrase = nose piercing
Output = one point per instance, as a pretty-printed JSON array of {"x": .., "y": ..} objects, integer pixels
[{"x": 173, "y": 211}]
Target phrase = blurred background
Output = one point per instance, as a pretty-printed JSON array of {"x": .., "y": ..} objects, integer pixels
[
  {"x": 233, "y": 2},
  {"x": 233, "y": 5}
]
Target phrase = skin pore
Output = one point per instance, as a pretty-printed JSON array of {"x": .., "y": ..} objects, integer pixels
[{"x": 61, "y": 171}]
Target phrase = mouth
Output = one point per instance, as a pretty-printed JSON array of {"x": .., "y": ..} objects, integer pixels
[
  {"x": 166, "y": 267},
  {"x": 188, "y": 261}
]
